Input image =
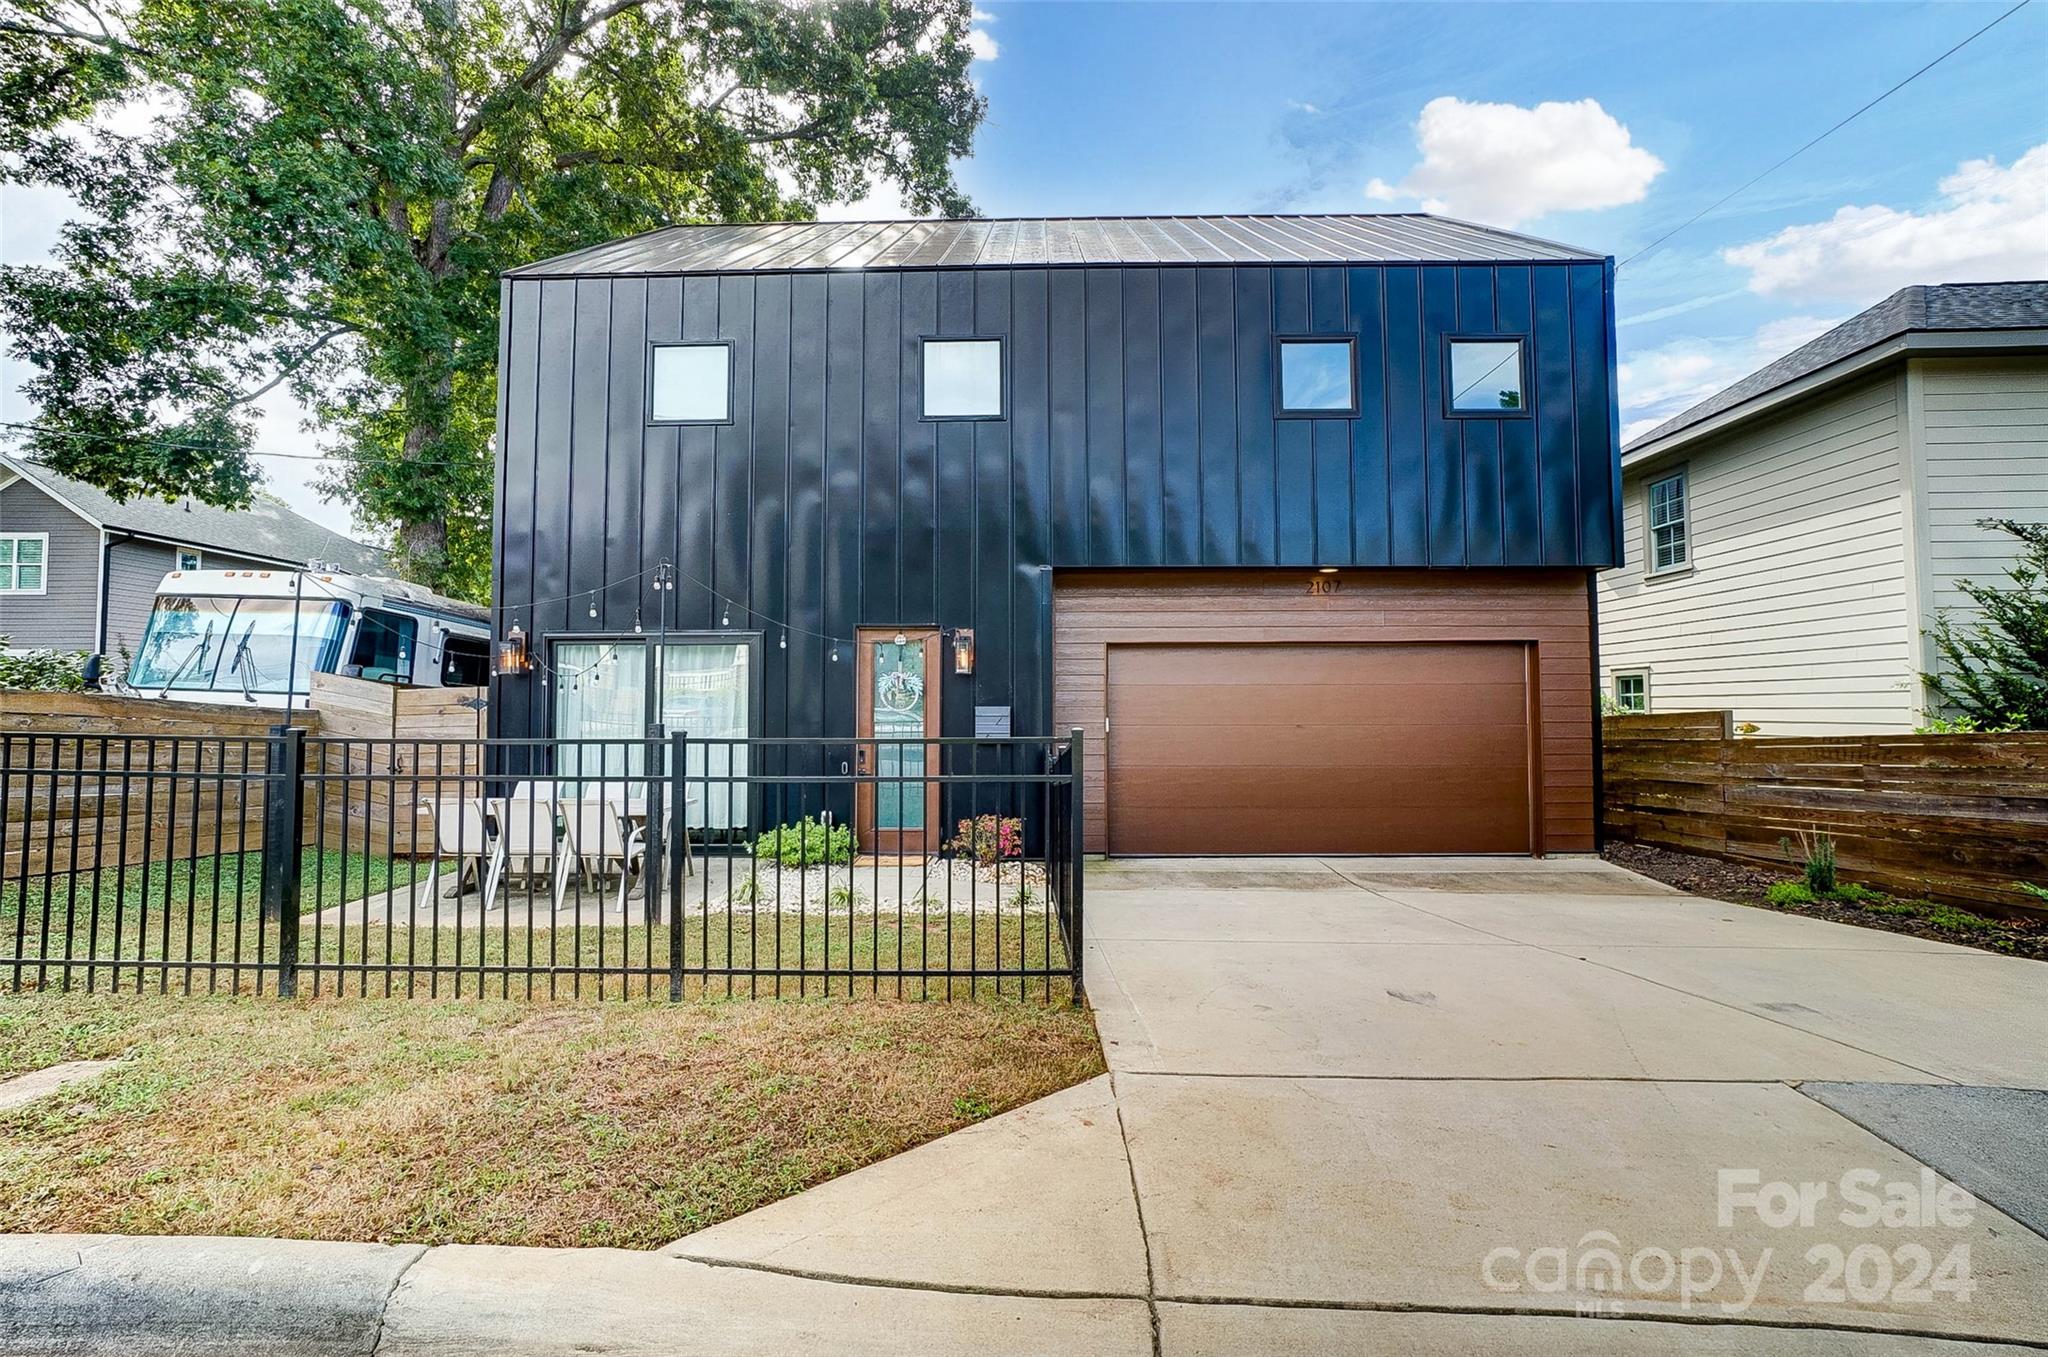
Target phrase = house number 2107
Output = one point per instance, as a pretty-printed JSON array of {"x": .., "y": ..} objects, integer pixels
[{"x": 1324, "y": 584}]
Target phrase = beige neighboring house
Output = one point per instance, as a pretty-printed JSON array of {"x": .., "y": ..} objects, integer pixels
[{"x": 1790, "y": 539}]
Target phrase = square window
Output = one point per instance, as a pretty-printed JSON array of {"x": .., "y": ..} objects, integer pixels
[
  {"x": 188, "y": 560},
  {"x": 1317, "y": 376},
  {"x": 1632, "y": 692},
  {"x": 1486, "y": 377},
  {"x": 1670, "y": 548},
  {"x": 22, "y": 563},
  {"x": 963, "y": 379},
  {"x": 690, "y": 384}
]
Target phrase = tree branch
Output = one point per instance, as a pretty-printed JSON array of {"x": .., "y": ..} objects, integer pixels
[
  {"x": 574, "y": 25},
  {"x": 63, "y": 33},
  {"x": 284, "y": 373}
]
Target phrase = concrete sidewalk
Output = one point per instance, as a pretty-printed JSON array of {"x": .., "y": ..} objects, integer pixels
[{"x": 1354, "y": 1107}]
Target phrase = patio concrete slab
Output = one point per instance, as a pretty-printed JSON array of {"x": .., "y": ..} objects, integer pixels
[
  {"x": 1546, "y": 920},
  {"x": 1992, "y": 1141},
  {"x": 1441, "y": 1011},
  {"x": 1236, "y": 1330},
  {"x": 1443, "y": 1193},
  {"x": 1044, "y": 1194},
  {"x": 475, "y": 1301},
  {"x": 1960, "y": 1015}
]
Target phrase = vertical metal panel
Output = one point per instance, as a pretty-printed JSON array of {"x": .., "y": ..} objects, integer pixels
[
  {"x": 1596, "y": 499},
  {"x": 1140, "y": 429},
  {"x": 1440, "y": 440},
  {"x": 988, "y": 582},
  {"x": 1067, "y": 379},
  {"x": 1365, "y": 299},
  {"x": 1521, "y": 512},
  {"x": 916, "y": 531},
  {"x": 1293, "y": 439},
  {"x": 1557, "y": 476},
  {"x": 882, "y": 424},
  {"x": 1180, "y": 425},
  {"x": 803, "y": 607},
  {"x": 1105, "y": 417},
  {"x": 1216, "y": 372},
  {"x": 845, "y": 527},
  {"x": 1144, "y": 466},
  {"x": 1330, "y": 504},
  {"x": 1255, "y": 421}
]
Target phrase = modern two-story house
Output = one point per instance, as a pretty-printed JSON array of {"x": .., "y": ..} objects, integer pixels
[
  {"x": 1792, "y": 538},
  {"x": 1295, "y": 518},
  {"x": 79, "y": 569}
]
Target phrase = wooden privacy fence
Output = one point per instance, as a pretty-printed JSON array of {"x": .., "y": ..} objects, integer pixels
[
  {"x": 1949, "y": 817},
  {"x": 103, "y": 818}
]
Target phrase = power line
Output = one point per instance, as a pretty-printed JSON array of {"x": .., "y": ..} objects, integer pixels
[{"x": 1689, "y": 221}]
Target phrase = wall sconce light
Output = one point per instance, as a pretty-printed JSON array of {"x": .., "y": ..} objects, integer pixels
[
  {"x": 963, "y": 651},
  {"x": 512, "y": 657}
]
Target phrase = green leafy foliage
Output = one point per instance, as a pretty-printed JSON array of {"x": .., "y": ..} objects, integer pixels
[
  {"x": 1784, "y": 893},
  {"x": 1993, "y": 669},
  {"x": 2029, "y": 888},
  {"x": 807, "y": 843},
  {"x": 43, "y": 671},
  {"x": 988, "y": 838},
  {"x": 319, "y": 196},
  {"x": 1817, "y": 860}
]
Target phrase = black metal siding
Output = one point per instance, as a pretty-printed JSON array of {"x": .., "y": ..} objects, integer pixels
[{"x": 1140, "y": 431}]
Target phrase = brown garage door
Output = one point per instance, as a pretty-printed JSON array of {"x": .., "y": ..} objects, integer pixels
[{"x": 1382, "y": 748}]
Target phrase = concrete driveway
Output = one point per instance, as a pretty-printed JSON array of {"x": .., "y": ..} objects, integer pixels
[{"x": 1364, "y": 1106}]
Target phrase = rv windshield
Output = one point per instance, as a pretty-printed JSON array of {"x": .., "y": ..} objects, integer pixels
[{"x": 234, "y": 645}]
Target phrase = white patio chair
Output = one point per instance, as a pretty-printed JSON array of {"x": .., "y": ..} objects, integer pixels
[
  {"x": 598, "y": 839},
  {"x": 462, "y": 834},
  {"x": 530, "y": 845}
]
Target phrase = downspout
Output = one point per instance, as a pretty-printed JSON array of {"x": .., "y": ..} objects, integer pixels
[
  {"x": 1599, "y": 720},
  {"x": 99, "y": 629}
]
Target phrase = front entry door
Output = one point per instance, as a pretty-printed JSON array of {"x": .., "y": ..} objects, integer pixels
[{"x": 897, "y": 707}]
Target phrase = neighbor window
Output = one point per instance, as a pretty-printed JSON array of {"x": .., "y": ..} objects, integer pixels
[
  {"x": 690, "y": 384},
  {"x": 188, "y": 560},
  {"x": 1632, "y": 692},
  {"x": 1669, "y": 549},
  {"x": 21, "y": 562},
  {"x": 1317, "y": 376},
  {"x": 1486, "y": 377},
  {"x": 963, "y": 379}
]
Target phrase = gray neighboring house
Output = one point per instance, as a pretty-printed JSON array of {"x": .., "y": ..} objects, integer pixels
[
  {"x": 1790, "y": 539},
  {"x": 79, "y": 569}
]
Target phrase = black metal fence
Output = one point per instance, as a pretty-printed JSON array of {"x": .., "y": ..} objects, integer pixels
[{"x": 666, "y": 866}]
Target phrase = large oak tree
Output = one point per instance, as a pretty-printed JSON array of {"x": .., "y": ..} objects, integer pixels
[{"x": 320, "y": 194}]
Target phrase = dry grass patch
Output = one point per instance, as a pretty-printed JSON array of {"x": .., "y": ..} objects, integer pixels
[{"x": 625, "y": 1124}]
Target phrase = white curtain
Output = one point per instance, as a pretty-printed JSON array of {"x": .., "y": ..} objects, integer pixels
[
  {"x": 704, "y": 692},
  {"x": 600, "y": 694}
]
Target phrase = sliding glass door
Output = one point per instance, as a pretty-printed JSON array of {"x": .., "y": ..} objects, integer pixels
[{"x": 617, "y": 689}]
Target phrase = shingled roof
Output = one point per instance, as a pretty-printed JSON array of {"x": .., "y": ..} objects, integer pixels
[
  {"x": 266, "y": 530},
  {"x": 1037, "y": 242},
  {"x": 1947, "y": 307}
]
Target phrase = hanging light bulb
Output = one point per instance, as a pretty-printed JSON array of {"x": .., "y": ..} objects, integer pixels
[
  {"x": 725, "y": 618},
  {"x": 783, "y": 643},
  {"x": 835, "y": 654}
]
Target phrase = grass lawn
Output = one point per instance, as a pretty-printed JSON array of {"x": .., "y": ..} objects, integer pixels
[
  {"x": 624, "y": 1124},
  {"x": 326, "y": 877}
]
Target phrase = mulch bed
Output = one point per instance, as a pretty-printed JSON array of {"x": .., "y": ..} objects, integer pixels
[{"x": 1744, "y": 885}]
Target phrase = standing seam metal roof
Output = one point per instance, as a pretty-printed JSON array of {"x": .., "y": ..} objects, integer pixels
[{"x": 1040, "y": 241}]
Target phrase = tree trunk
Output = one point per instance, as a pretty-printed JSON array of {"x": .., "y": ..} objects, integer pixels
[{"x": 424, "y": 550}]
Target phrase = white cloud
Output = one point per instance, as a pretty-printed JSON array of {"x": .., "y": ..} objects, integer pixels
[
  {"x": 1504, "y": 164},
  {"x": 1991, "y": 225},
  {"x": 1303, "y": 106},
  {"x": 1659, "y": 383},
  {"x": 979, "y": 40}
]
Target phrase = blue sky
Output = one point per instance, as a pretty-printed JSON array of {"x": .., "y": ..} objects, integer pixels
[
  {"x": 1601, "y": 125},
  {"x": 1144, "y": 108}
]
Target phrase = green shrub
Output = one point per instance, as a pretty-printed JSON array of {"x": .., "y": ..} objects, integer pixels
[
  {"x": 43, "y": 671},
  {"x": 1817, "y": 860},
  {"x": 1854, "y": 894},
  {"x": 1790, "y": 893},
  {"x": 1994, "y": 660},
  {"x": 2038, "y": 892},
  {"x": 988, "y": 839},
  {"x": 807, "y": 843}
]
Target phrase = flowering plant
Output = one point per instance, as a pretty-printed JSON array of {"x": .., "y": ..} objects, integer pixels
[{"x": 989, "y": 838}]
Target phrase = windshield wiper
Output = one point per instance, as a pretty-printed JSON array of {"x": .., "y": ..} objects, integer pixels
[
  {"x": 198, "y": 654},
  {"x": 244, "y": 665}
]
